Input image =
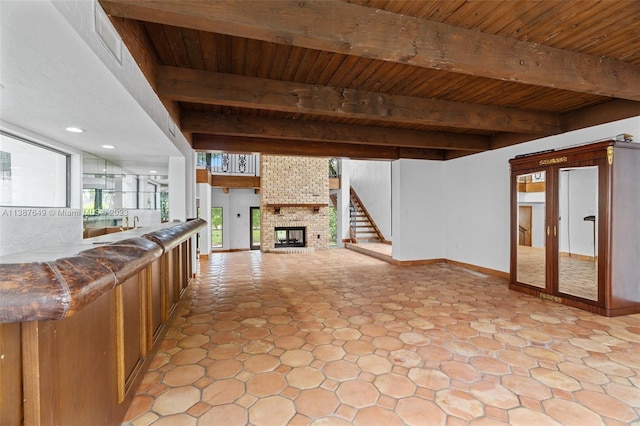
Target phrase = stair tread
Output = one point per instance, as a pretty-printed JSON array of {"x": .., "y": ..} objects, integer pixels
[{"x": 363, "y": 227}]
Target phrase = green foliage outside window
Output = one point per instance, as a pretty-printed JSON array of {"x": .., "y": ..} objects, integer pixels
[
  {"x": 333, "y": 227},
  {"x": 216, "y": 227}
]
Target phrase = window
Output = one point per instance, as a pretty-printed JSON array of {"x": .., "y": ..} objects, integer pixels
[
  {"x": 5, "y": 165},
  {"x": 32, "y": 175},
  {"x": 216, "y": 227}
]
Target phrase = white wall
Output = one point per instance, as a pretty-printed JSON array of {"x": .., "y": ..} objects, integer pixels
[
  {"x": 342, "y": 211},
  {"x": 204, "y": 196},
  {"x": 578, "y": 198},
  {"x": 372, "y": 182},
  {"x": 177, "y": 189},
  {"x": 477, "y": 198},
  {"x": 418, "y": 215},
  {"x": 235, "y": 230}
]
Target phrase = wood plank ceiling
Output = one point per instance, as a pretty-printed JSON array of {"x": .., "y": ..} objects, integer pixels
[{"x": 433, "y": 79}]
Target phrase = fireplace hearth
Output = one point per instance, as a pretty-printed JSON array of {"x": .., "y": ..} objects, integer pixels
[{"x": 294, "y": 236}]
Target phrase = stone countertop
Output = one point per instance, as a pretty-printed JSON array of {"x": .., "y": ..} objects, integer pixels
[{"x": 54, "y": 283}]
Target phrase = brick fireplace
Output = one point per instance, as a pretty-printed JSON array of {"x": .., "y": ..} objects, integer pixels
[{"x": 294, "y": 195}]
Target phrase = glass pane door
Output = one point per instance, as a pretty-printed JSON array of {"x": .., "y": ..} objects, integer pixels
[
  {"x": 531, "y": 229},
  {"x": 577, "y": 232},
  {"x": 255, "y": 228},
  {"x": 216, "y": 227}
]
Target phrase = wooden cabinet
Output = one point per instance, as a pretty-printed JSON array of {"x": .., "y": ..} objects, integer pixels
[{"x": 575, "y": 226}]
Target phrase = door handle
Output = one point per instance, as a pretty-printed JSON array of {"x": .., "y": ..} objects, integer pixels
[
  {"x": 555, "y": 231},
  {"x": 548, "y": 231}
]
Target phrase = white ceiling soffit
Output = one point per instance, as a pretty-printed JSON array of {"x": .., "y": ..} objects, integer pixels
[{"x": 52, "y": 79}]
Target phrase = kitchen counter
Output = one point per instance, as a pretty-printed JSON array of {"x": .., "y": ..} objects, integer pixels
[
  {"x": 80, "y": 323},
  {"x": 55, "y": 282}
]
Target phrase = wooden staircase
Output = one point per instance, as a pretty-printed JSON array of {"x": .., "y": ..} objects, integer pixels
[{"x": 362, "y": 226}]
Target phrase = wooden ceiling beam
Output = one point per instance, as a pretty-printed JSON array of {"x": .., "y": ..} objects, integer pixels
[
  {"x": 234, "y": 182},
  {"x": 187, "y": 85},
  {"x": 302, "y": 130},
  {"x": 608, "y": 112},
  {"x": 311, "y": 149},
  {"x": 351, "y": 29}
]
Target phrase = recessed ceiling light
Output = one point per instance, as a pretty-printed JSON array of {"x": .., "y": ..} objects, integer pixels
[
  {"x": 108, "y": 147},
  {"x": 152, "y": 171},
  {"x": 74, "y": 130}
]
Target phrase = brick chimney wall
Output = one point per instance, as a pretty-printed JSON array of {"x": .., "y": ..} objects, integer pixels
[{"x": 294, "y": 180}]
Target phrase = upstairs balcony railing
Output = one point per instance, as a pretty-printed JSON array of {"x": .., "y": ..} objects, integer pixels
[
  {"x": 231, "y": 164},
  {"x": 244, "y": 164}
]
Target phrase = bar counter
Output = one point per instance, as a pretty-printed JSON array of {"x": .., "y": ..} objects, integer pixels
[{"x": 79, "y": 324}]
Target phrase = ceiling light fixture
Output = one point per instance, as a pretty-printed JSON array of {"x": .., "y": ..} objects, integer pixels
[
  {"x": 153, "y": 171},
  {"x": 74, "y": 130},
  {"x": 108, "y": 147}
]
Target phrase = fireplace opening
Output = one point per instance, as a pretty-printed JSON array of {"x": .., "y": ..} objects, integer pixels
[{"x": 291, "y": 237}]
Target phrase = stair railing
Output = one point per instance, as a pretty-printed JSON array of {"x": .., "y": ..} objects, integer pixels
[
  {"x": 356, "y": 200},
  {"x": 352, "y": 222}
]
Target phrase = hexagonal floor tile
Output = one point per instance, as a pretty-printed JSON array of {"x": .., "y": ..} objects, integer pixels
[
  {"x": 273, "y": 410},
  {"x": 316, "y": 402},
  {"x": 305, "y": 377},
  {"x": 358, "y": 393}
]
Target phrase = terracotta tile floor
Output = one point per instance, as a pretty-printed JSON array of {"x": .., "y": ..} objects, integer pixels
[{"x": 336, "y": 337}]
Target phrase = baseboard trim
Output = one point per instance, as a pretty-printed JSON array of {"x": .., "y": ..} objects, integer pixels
[
  {"x": 416, "y": 262},
  {"x": 481, "y": 269}
]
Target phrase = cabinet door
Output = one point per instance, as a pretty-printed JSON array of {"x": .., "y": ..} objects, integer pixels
[
  {"x": 577, "y": 232},
  {"x": 531, "y": 266}
]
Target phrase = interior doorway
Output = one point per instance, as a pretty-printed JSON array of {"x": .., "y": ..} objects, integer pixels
[
  {"x": 254, "y": 228},
  {"x": 524, "y": 225}
]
